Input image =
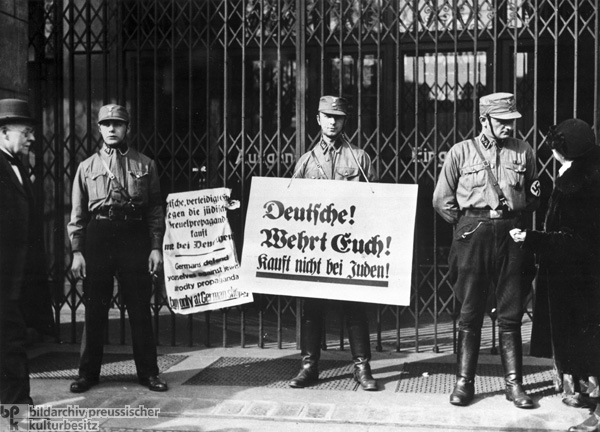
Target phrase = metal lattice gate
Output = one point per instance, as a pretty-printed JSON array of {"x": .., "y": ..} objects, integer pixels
[{"x": 221, "y": 91}]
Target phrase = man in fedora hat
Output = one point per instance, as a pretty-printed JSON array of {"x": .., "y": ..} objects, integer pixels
[
  {"x": 22, "y": 264},
  {"x": 334, "y": 158},
  {"x": 486, "y": 187},
  {"x": 116, "y": 229}
]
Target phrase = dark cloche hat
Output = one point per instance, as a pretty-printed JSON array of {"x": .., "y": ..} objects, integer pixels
[
  {"x": 333, "y": 105},
  {"x": 113, "y": 112},
  {"x": 15, "y": 111},
  {"x": 499, "y": 105},
  {"x": 572, "y": 138}
]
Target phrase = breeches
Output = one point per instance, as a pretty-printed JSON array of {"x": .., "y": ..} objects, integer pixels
[{"x": 487, "y": 267}]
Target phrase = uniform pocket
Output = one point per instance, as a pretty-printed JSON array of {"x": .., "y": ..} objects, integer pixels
[
  {"x": 138, "y": 184},
  {"x": 346, "y": 173},
  {"x": 473, "y": 176},
  {"x": 97, "y": 185},
  {"x": 515, "y": 174}
]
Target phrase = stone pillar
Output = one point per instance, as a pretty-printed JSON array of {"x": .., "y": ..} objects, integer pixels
[{"x": 14, "y": 27}]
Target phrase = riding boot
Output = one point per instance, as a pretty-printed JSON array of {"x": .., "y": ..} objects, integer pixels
[
  {"x": 310, "y": 341},
  {"x": 360, "y": 346},
  {"x": 511, "y": 352},
  {"x": 467, "y": 356}
]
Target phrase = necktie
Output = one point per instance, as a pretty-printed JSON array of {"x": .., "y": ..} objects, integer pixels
[
  {"x": 117, "y": 156},
  {"x": 11, "y": 159},
  {"x": 121, "y": 147},
  {"x": 121, "y": 162}
]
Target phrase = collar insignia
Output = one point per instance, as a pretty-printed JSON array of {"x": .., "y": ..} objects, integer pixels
[{"x": 488, "y": 142}]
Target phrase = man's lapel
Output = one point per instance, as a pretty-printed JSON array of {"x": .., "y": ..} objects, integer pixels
[{"x": 25, "y": 188}]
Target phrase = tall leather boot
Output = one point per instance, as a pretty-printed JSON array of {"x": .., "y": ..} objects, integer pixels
[
  {"x": 511, "y": 352},
  {"x": 467, "y": 356},
  {"x": 360, "y": 346},
  {"x": 311, "y": 353}
]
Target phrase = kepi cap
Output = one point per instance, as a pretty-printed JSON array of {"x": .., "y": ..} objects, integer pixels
[
  {"x": 15, "y": 111},
  {"x": 499, "y": 105},
  {"x": 333, "y": 105},
  {"x": 113, "y": 112}
]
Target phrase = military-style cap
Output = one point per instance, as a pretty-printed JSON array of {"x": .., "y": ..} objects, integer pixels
[
  {"x": 113, "y": 112},
  {"x": 15, "y": 111},
  {"x": 333, "y": 105},
  {"x": 499, "y": 105}
]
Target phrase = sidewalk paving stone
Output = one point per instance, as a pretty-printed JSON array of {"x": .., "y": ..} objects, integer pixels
[{"x": 216, "y": 408}]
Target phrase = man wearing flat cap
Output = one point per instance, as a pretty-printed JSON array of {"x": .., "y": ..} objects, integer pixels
[
  {"x": 334, "y": 158},
  {"x": 116, "y": 229},
  {"x": 487, "y": 187},
  {"x": 24, "y": 294}
]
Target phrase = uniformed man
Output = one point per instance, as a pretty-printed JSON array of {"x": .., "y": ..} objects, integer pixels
[
  {"x": 334, "y": 158},
  {"x": 486, "y": 187},
  {"x": 116, "y": 229}
]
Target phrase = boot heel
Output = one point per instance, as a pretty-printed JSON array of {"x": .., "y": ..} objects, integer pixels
[
  {"x": 463, "y": 393},
  {"x": 309, "y": 374},
  {"x": 362, "y": 375},
  {"x": 516, "y": 395}
]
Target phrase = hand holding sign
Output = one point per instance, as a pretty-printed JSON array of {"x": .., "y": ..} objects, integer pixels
[{"x": 201, "y": 267}]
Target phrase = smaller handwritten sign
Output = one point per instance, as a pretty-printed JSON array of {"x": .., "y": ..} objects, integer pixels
[{"x": 200, "y": 262}]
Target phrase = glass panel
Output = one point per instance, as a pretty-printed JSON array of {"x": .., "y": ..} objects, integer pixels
[
  {"x": 266, "y": 145},
  {"x": 434, "y": 15},
  {"x": 171, "y": 113},
  {"x": 519, "y": 13},
  {"x": 442, "y": 81},
  {"x": 348, "y": 69},
  {"x": 265, "y": 15},
  {"x": 273, "y": 76}
]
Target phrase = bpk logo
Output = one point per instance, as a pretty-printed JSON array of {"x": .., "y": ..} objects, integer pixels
[{"x": 13, "y": 414}]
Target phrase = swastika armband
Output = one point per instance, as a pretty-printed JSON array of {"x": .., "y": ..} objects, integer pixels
[{"x": 535, "y": 188}]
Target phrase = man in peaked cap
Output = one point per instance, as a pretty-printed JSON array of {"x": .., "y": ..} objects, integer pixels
[
  {"x": 486, "y": 188},
  {"x": 334, "y": 158},
  {"x": 22, "y": 264},
  {"x": 116, "y": 229}
]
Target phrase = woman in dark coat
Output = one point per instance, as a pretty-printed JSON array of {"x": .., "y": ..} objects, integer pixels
[{"x": 568, "y": 290}]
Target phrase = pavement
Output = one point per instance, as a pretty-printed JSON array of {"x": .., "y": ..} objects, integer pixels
[{"x": 259, "y": 408}]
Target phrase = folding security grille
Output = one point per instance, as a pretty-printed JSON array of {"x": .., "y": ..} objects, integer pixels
[{"x": 222, "y": 91}]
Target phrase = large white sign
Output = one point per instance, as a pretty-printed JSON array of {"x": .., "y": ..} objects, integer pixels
[
  {"x": 330, "y": 239},
  {"x": 200, "y": 262}
]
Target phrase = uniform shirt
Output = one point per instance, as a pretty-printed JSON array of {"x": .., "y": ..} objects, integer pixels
[
  {"x": 463, "y": 182},
  {"x": 338, "y": 162},
  {"x": 92, "y": 192}
]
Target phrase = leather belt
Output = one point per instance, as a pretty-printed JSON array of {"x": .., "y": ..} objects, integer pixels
[
  {"x": 117, "y": 216},
  {"x": 490, "y": 214}
]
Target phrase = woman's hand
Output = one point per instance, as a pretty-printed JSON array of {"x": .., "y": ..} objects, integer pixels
[{"x": 518, "y": 235}]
